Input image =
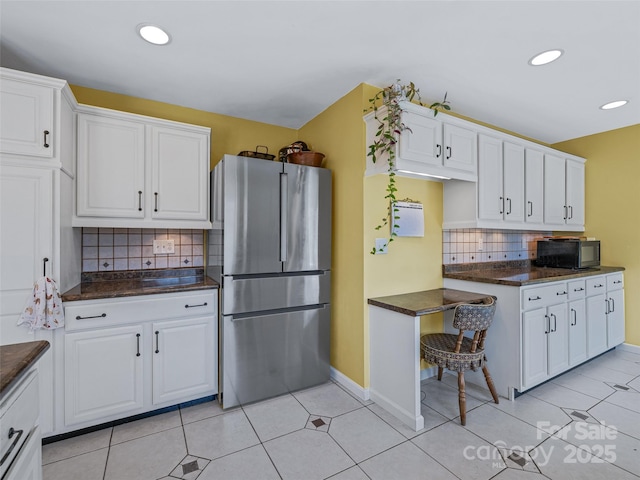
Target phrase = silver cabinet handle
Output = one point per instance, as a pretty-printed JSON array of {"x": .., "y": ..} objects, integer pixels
[
  {"x": 548, "y": 324},
  {"x": 501, "y": 205},
  {"x": 570, "y": 212},
  {"x": 449, "y": 153},
  {"x": 555, "y": 322},
  {"x": 439, "y": 151},
  {"x": 137, "y": 344},
  {"x": 509, "y": 211},
  {"x": 575, "y": 317},
  {"x": 565, "y": 212},
  {"x": 613, "y": 305},
  {"x": 578, "y": 289},
  {"x": 531, "y": 299},
  {"x": 561, "y": 293},
  {"x": 45, "y": 144},
  {"x": 157, "y": 341},
  {"x": 44, "y": 266},
  {"x": 139, "y": 200},
  {"x": 155, "y": 194},
  {"x": 530, "y": 204}
]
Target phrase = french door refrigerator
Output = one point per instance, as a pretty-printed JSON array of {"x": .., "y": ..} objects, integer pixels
[{"x": 275, "y": 277}]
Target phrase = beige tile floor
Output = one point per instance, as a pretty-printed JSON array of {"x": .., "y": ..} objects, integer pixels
[{"x": 582, "y": 425}]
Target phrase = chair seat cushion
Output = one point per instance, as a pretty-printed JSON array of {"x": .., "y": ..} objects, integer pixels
[{"x": 439, "y": 348}]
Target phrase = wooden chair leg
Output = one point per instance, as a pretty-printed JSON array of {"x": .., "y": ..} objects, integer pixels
[
  {"x": 440, "y": 369},
  {"x": 492, "y": 388},
  {"x": 462, "y": 400}
]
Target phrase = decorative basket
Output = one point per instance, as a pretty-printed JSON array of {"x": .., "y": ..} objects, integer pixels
[{"x": 311, "y": 159}]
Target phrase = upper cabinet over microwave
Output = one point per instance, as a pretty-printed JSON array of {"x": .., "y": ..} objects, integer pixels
[{"x": 141, "y": 172}]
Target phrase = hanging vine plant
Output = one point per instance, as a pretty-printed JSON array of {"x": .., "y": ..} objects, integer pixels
[{"x": 390, "y": 127}]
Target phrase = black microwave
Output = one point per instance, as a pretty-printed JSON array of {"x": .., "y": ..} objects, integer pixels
[{"x": 568, "y": 253}]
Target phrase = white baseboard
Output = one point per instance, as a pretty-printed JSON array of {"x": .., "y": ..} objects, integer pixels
[
  {"x": 627, "y": 347},
  {"x": 355, "y": 389}
]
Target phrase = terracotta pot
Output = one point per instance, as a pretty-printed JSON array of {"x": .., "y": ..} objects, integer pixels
[{"x": 312, "y": 159}]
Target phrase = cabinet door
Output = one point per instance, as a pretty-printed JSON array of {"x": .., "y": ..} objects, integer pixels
[
  {"x": 533, "y": 186},
  {"x": 534, "y": 347},
  {"x": 490, "y": 197},
  {"x": 184, "y": 359},
  {"x": 103, "y": 373},
  {"x": 577, "y": 332},
  {"x": 596, "y": 325},
  {"x": 422, "y": 143},
  {"x": 575, "y": 192},
  {"x": 513, "y": 167},
  {"x": 615, "y": 318},
  {"x": 554, "y": 190},
  {"x": 26, "y": 119},
  {"x": 26, "y": 233},
  {"x": 460, "y": 148},
  {"x": 180, "y": 174},
  {"x": 110, "y": 180},
  {"x": 557, "y": 339}
]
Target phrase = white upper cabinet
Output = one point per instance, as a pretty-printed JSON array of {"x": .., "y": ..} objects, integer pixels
[
  {"x": 179, "y": 172},
  {"x": 534, "y": 186},
  {"x": 564, "y": 192},
  {"x": 141, "y": 172},
  {"x": 36, "y": 120},
  {"x": 437, "y": 147},
  {"x": 521, "y": 186},
  {"x": 110, "y": 167}
]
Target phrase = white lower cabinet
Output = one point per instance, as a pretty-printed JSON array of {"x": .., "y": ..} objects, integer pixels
[
  {"x": 182, "y": 359},
  {"x": 103, "y": 373},
  {"x": 562, "y": 324},
  {"x": 28, "y": 465},
  {"x": 545, "y": 337},
  {"x": 130, "y": 355}
]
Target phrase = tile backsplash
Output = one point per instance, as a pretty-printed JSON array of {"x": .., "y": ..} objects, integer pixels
[
  {"x": 110, "y": 249},
  {"x": 475, "y": 245}
]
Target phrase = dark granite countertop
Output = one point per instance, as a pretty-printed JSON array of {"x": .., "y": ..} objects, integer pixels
[
  {"x": 427, "y": 301},
  {"x": 518, "y": 273},
  {"x": 16, "y": 360},
  {"x": 97, "y": 285}
]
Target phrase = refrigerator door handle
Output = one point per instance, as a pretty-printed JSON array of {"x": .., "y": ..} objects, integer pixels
[{"x": 284, "y": 195}]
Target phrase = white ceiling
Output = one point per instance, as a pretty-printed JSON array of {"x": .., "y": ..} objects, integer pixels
[{"x": 283, "y": 62}]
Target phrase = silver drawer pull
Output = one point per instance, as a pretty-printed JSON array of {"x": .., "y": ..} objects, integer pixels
[
  {"x": 78, "y": 317},
  {"x": 578, "y": 289},
  {"x": 598, "y": 286},
  {"x": 561, "y": 293},
  {"x": 12, "y": 432},
  {"x": 531, "y": 299},
  {"x": 192, "y": 306},
  {"x": 615, "y": 282}
]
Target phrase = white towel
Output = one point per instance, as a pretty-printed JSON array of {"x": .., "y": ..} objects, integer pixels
[{"x": 44, "y": 307}]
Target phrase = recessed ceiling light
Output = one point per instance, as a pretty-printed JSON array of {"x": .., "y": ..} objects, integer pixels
[
  {"x": 153, "y": 34},
  {"x": 545, "y": 57},
  {"x": 616, "y": 104}
]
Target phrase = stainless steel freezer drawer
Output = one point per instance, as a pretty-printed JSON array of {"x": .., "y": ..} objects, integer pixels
[
  {"x": 242, "y": 295},
  {"x": 268, "y": 355}
]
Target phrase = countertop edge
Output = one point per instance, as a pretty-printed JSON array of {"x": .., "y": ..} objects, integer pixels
[
  {"x": 472, "y": 276},
  {"x": 22, "y": 356}
]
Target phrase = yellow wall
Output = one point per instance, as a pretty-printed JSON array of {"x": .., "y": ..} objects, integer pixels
[
  {"x": 338, "y": 132},
  {"x": 228, "y": 134},
  {"x": 613, "y": 207}
]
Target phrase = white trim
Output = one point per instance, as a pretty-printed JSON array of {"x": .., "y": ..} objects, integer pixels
[
  {"x": 339, "y": 377},
  {"x": 406, "y": 417},
  {"x": 627, "y": 347}
]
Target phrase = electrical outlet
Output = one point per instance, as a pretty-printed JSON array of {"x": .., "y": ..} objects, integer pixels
[
  {"x": 163, "y": 247},
  {"x": 381, "y": 246},
  {"x": 480, "y": 244}
]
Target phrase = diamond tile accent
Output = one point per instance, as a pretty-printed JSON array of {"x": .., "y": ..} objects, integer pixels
[
  {"x": 581, "y": 416},
  {"x": 320, "y": 424},
  {"x": 620, "y": 387},
  {"x": 518, "y": 459},
  {"x": 190, "y": 468}
]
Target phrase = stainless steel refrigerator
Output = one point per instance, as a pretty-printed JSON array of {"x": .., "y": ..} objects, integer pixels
[{"x": 275, "y": 277}]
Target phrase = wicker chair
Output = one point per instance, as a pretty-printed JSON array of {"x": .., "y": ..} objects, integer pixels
[{"x": 459, "y": 353}]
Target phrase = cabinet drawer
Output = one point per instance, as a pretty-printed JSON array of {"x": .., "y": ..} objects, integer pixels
[
  {"x": 88, "y": 314},
  {"x": 596, "y": 285},
  {"x": 20, "y": 413},
  {"x": 544, "y": 296},
  {"x": 615, "y": 281},
  {"x": 577, "y": 289}
]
